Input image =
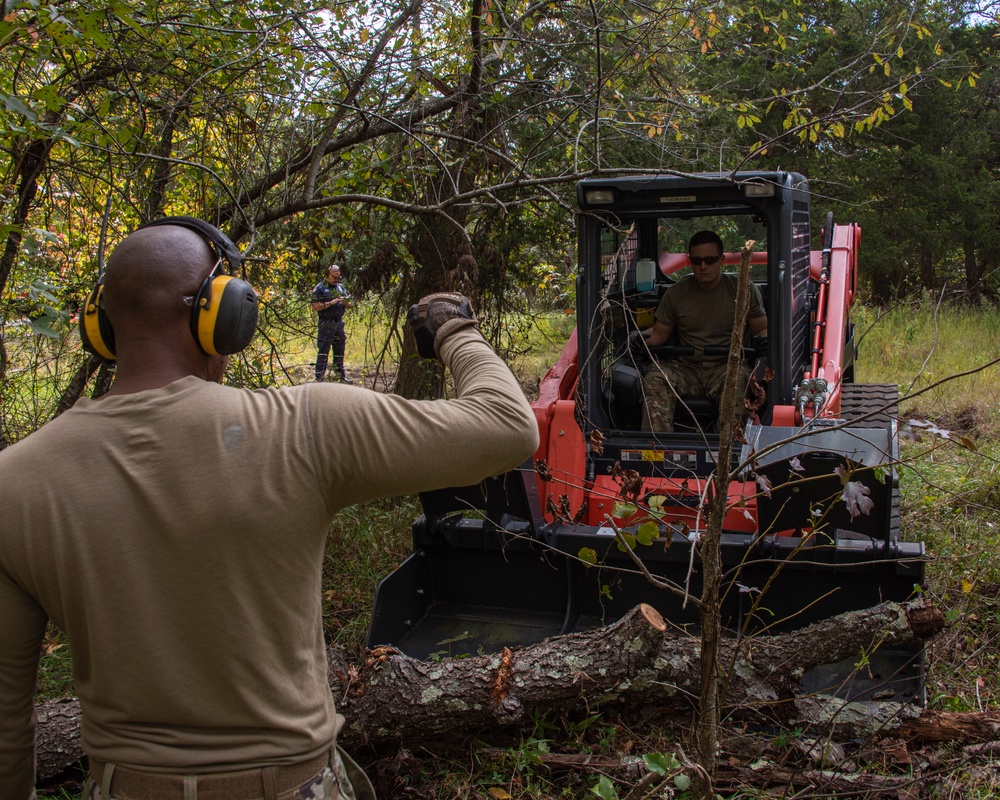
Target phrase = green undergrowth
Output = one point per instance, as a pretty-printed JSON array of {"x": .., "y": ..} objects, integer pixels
[
  {"x": 366, "y": 543},
  {"x": 951, "y": 502},
  {"x": 950, "y": 479}
]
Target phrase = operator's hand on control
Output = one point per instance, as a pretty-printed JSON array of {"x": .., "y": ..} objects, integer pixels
[
  {"x": 637, "y": 344},
  {"x": 760, "y": 367},
  {"x": 436, "y": 317},
  {"x": 638, "y": 351},
  {"x": 759, "y": 344}
]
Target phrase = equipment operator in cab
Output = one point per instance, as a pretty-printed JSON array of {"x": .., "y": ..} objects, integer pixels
[{"x": 701, "y": 308}]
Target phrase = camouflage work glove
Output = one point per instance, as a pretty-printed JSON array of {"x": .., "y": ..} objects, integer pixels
[{"x": 436, "y": 317}]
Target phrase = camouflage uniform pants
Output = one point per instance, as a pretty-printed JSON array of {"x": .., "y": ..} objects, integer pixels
[
  {"x": 331, "y": 783},
  {"x": 666, "y": 382}
]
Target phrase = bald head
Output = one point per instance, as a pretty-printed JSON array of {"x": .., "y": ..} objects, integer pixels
[{"x": 149, "y": 275}]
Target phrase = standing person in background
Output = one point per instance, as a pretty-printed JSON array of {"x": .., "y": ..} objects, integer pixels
[{"x": 330, "y": 300}]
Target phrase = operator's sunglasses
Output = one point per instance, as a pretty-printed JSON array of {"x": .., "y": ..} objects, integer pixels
[{"x": 697, "y": 261}]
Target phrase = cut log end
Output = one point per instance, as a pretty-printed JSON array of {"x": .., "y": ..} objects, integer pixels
[
  {"x": 653, "y": 617},
  {"x": 925, "y": 620}
]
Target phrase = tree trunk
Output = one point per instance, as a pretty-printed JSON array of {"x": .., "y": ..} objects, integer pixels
[
  {"x": 78, "y": 382},
  {"x": 440, "y": 244},
  {"x": 32, "y": 161},
  {"x": 710, "y": 610},
  {"x": 391, "y": 700},
  {"x": 973, "y": 270},
  {"x": 926, "y": 268}
]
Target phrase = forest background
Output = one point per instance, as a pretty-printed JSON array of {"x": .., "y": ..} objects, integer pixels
[{"x": 436, "y": 146}]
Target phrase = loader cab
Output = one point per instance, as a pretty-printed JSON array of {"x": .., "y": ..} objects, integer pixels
[{"x": 633, "y": 238}]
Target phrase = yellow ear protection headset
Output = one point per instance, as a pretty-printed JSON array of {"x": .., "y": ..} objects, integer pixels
[{"x": 224, "y": 315}]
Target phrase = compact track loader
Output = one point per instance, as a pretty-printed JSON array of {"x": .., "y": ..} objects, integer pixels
[{"x": 812, "y": 527}]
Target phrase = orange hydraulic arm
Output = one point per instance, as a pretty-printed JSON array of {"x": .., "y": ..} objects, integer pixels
[
  {"x": 561, "y": 447},
  {"x": 835, "y": 269}
]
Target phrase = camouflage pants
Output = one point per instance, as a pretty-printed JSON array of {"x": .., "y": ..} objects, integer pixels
[
  {"x": 666, "y": 382},
  {"x": 332, "y": 783}
]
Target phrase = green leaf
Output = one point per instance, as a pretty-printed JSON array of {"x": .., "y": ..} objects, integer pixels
[
  {"x": 647, "y": 533},
  {"x": 588, "y": 555},
  {"x": 18, "y": 107},
  {"x": 623, "y": 510},
  {"x": 42, "y": 326},
  {"x": 660, "y": 763},
  {"x": 626, "y": 542},
  {"x": 605, "y": 789}
]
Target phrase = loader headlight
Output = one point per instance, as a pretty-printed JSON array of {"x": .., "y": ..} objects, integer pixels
[
  {"x": 758, "y": 189},
  {"x": 599, "y": 197}
]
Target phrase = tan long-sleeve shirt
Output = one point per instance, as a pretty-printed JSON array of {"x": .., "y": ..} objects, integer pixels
[{"x": 177, "y": 536}]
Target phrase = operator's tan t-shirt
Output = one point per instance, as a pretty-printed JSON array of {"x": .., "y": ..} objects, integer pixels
[
  {"x": 177, "y": 535},
  {"x": 705, "y": 318}
]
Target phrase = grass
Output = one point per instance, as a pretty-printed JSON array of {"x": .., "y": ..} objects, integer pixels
[
  {"x": 917, "y": 345},
  {"x": 950, "y": 480},
  {"x": 950, "y": 500}
]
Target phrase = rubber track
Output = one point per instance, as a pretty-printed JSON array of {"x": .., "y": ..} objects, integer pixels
[{"x": 857, "y": 399}]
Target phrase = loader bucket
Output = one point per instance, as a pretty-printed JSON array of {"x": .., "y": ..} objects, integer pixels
[{"x": 478, "y": 584}]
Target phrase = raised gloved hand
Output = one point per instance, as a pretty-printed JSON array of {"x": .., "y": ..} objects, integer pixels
[{"x": 436, "y": 317}]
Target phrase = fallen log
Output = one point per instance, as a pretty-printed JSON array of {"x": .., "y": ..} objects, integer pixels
[
  {"x": 391, "y": 700},
  {"x": 628, "y": 663},
  {"x": 940, "y": 726}
]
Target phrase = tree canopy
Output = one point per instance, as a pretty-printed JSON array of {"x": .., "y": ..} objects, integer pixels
[{"x": 431, "y": 144}]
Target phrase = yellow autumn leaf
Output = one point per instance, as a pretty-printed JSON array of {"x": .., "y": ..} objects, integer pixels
[
  {"x": 966, "y": 586},
  {"x": 498, "y": 793}
]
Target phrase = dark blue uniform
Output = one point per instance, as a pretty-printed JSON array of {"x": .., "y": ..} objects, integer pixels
[{"x": 331, "y": 328}]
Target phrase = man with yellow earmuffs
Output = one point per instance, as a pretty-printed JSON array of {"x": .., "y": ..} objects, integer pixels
[{"x": 175, "y": 530}]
